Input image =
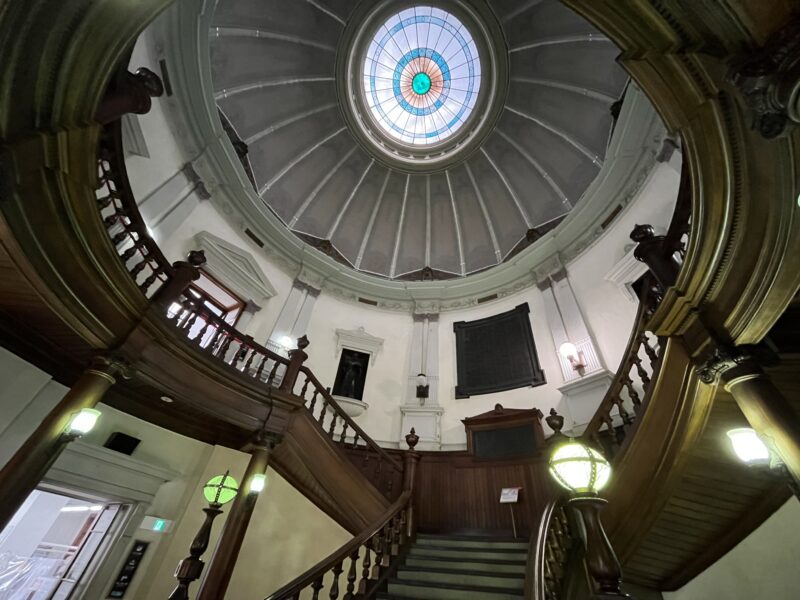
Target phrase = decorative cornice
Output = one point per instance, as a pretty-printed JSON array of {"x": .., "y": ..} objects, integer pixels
[{"x": 192, "y": 111}]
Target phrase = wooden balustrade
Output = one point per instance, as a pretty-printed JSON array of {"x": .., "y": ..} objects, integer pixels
[
  {"x": 368, "y": 559},
  {"x": 382, "y": 469},
  {"x": 551, "y": 548},
  {"x": 168, "y": 286},
  {"x": 128, "y": 232},
  {"x": 625, "y": 398}
]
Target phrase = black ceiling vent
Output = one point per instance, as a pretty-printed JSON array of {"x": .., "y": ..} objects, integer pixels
[
  {"x": 487, "y": 298},
  {"x": 254, "y": 237},
  {"x": 122, "y": 443},
  {"x": 368, "y": 301}
]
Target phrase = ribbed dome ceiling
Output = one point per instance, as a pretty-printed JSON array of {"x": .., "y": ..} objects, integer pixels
[{"x": 274, "y": 71}]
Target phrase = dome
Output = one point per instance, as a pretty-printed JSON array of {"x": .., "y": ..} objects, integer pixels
[{"x": 411, "y": 141}]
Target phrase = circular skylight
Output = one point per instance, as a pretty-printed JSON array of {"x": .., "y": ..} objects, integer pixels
[{"x": 422, "y": 75}]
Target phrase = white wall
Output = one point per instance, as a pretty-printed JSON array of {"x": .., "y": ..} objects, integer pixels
[
  {"x": 607, "y": 311},
  {"x": 763, "y": 565}
]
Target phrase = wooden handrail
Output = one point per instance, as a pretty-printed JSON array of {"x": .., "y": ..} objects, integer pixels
[
  {"x": 548, "y": 553},
  {"x": 384, "y": 537},
  {"x": 638, "y": 343},
  {"x": 346, "y": 419},
  {"x": 167, "y": 287}
]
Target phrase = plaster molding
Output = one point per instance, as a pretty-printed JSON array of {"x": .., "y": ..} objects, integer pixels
[
  {"x": 234, "y": 267},
  {"x": 352, "y": 407},
  {"x": 360, "y": 340},
  {"x": 95, "y": 469},
  {"x": 192, "y": 112}
]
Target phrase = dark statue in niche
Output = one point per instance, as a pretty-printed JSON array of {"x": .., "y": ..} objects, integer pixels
[{"x": 351, "y": 375}]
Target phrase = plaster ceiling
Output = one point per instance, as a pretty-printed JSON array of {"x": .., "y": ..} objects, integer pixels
[{"x": 275, "y": 79}]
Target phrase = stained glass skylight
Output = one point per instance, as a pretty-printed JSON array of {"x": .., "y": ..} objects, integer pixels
[{"x": 422, "y": 75}]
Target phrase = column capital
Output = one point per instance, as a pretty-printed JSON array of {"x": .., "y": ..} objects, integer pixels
[
  {"x": 733, "y": 362},
  {"x": 111, "y": 367}
]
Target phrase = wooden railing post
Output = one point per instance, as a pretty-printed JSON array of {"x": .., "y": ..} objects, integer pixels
[
  {"x": 183, "y": 274},
  {"x": 129, "y": 93},
  {"x": 653, "y": 250},
  {"x": 411, "y": 458},
  {"x": 296, "y": 359}
]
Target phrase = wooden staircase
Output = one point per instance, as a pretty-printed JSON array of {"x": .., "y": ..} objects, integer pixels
[{"x": 455, "y": 567}]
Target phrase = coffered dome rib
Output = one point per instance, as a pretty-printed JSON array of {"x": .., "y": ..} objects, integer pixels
[{"x": 274, "y": 77}]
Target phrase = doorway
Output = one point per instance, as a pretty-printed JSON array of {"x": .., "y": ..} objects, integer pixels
[{"x": 54, "y": 544}]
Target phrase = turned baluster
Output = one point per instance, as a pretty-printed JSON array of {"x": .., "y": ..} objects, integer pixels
[
  {"x": 396, "y": 525},
  {"x": 388, "y": 551},
  {"x": 150, "y": 280},
  {"x": 212, "y": 343},
  {"x": 343, "y": 436},
  {"x": 333, "y": 424},
  {"x": 623, "y": 412},
  {"x": 351, "y": 576},
  {"x": 355, "y": 440},
  {"x": 366, "y": 570},
  {"x": 273, "y": 372},
  {"x": 313, "y": 401},
  {"x": 317, "y": 586},
  {"x": 612, "y": 432},
  {"x": 262, "y": 363},
  {"x": 130, "y": 252},
  {"x": 239, "y": 355},
  {"x": 189, "y": 323},
  {"x": 201, "y": 334},
  {"x": 223, "y": 350},
  {"x": 321, "y": 418},
  {"x": 337, "y": 570},
  {"x": 378, "y": 545},
  {"x": 138, "y": 267},
  {"x": 641, "y": 371},
  {"x": 249, "y": 364},
  {"x": 304, "y": 389},
  {"x": 632, "y": 393},
  {"x": 648, "y": 349}
]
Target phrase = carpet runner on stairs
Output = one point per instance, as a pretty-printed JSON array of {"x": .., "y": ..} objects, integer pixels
[{"x": 442, "y": 567}]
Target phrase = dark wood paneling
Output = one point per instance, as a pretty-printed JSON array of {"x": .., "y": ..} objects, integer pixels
[{"x": 457, "y": 494}]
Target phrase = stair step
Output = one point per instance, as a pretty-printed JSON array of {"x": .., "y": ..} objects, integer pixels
[
  {"x": 482, "y": 566},
  {"x": 431, "y": 591},
  {"x": 511, "y": 581},
  {"x": 451, "y": 541},
  {"x": 468, "y": 553}
]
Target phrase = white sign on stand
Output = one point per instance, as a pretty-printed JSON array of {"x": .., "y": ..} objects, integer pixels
[{"x": 510, "y": 496}]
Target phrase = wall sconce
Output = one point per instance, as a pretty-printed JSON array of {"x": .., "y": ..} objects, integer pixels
[
  {"x": 257, "y": 483},
  {"x": 574, "y": 356},
  {"x": 81, "y": 423},
  {"x": 422, "y": 388},
  {"x": 751, "y": 450}
]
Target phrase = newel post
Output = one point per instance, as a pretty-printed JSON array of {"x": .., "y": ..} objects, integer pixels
[
  {"x": 129, "y": 93},
  {"x": 652, "y": 250},
  {"x": 410, "y": 460},
  {"x": 296, "y": 359},
  {"x": 183, "y": 274}
]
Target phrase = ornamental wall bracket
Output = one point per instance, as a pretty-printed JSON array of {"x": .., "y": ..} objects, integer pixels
[{"x": 768, "y": 78}]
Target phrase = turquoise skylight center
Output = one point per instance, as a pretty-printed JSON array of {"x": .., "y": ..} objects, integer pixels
[
  {"x": 421, "y": 76},
  {"x": 421, "y": 83}
]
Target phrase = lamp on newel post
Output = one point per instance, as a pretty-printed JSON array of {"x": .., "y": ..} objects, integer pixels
[
  {"x": 218, "y": 491},
  {"x": 584, "y": 472},
  {"x": 422, "y": 388}
]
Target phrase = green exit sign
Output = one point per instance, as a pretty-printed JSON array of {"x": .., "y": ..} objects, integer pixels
[{"x": 158, "y": 524}]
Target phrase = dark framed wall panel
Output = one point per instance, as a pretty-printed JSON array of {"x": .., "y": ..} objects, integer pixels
[{"x": 496, "y": 353}]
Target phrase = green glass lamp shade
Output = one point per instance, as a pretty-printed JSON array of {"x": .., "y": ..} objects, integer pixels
[
  {"x": 580, "y": 469},
  {"x": 220, "y": 489},
  {"x": 421, "y": 83}
]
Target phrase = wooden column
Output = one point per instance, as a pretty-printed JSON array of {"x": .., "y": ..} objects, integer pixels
[
  {"x": 30, "y": 463},
  {"x": 226, "y": 553},
  {"x": 767, "y": 411},
  {"x": 410, "y": 460}
]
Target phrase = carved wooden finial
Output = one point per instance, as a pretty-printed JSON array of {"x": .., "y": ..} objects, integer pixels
[
  {"x": 555, "y": 422},
  {"x": 302, "y": 342},
  {"x": 412, "y": 439},
  {"x": 498, "y": 408}
]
